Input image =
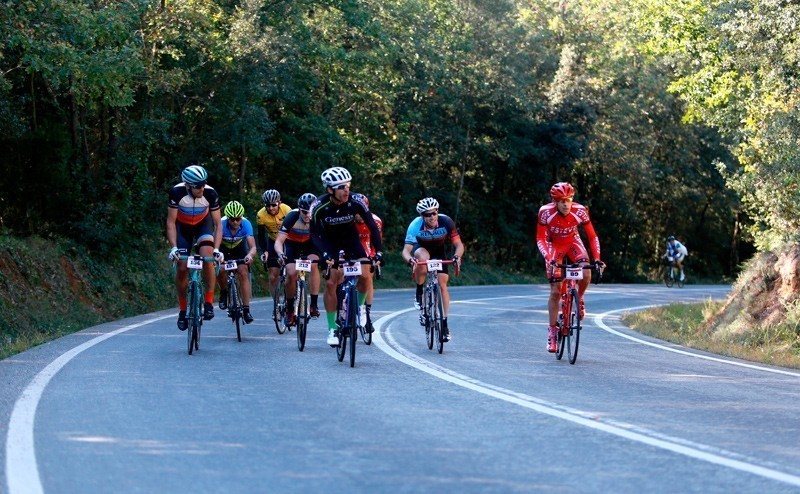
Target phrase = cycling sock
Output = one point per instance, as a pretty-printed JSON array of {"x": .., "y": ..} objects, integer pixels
[
  {"x": 314, "y": 300},
  {"x": 183, "y": 303},
  {"x": 444, "y": 323},
  {"x": 362, "y": 297},
  {"x": 331, "y": 320},
  {"x": 419, "y": 291},
  {"x": 209, "y": 297}
]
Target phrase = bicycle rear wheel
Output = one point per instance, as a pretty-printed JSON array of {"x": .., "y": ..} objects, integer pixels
[
  {"x": 574, "y": 321},
  {"x": 193, "y": 314},
  {"x": 437, "y": 316},
  {"x": 301, "y": 314},
  {"x": 279, "y": 304},
  {"x": 352, "y": 323},
  {"x": 235, "y": 307},
  {"x": 669, "y": 280}
]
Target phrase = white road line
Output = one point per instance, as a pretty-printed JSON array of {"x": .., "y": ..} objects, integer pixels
[
  {"x": 598, "y": 320},
  {"x": 386, "y": 343},
  {"x": 22, "y": 473}
]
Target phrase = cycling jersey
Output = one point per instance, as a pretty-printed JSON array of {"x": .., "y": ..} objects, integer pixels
[
  {"x": 364, "y": 235},
  {"x": 268, "y": 226},
  {"x": 333, "y": 227},
  {"x": 297, "y": 242},
  {"x": 193, "y": 223},
  {"x": 234, "y": 243},
  {"x": 419, "y": 235},
  {"x": 557, "y": 235},
  {"x": 678, "y": 250}
]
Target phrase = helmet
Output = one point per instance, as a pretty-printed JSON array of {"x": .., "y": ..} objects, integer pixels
[
  {"x": 562, "y": 190},
  {"x": 194, "y": 175},
  {"x": 306, "y": 200},
  {"x": 271, "y": 196},
  {"x": 234, "y": 210},
  {"x": 335, "y": 176},
  {"x": 426, "y": 204},
  {"x": 671, "y": 237}
]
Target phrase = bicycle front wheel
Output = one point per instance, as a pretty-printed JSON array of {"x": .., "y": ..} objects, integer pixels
[
  {"x": 235, "y": 307},
  {"x": 193, "y": 314},
  {"x": 341, "y": 323},
  {"x": 427, "y": 314},
  {"x": 279, "y": 304},
  {"x": 301, "y": 314},
  {"x": 438, "y": 317},
  {"x": 574, "y": 321},
  {"x": 352, "y": 322},
  {"x": 669, "y": 280},
  {"x": 680, "y": 281}
]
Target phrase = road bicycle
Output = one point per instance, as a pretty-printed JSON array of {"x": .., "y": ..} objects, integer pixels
[
  {"x": 432, "y": 307},
  {"x": 234, "y": 299},
  {"x": 195, "y": 297},
  {"x": 301, "y": 316},
  {"x": 348, "y": 315},
  {"x": 279, "y": 302},
  {"x": 569, "y": 317},
  {"x": 670, "y": 272},
  {"x": 366, "y": 336}
]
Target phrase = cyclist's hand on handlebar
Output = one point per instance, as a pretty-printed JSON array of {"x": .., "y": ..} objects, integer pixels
[
  {"x": 219, "y": 256},
  {"x": 174, "y": 254},
  {"x": 412, "y": 261},
  {"x": 248, "y": 259},
  {"x": 379, "y": 258},
  {"x": 456, "y": 260},
  {"x": 264, "y": 256},
  {"x": 282, "y": 259}
]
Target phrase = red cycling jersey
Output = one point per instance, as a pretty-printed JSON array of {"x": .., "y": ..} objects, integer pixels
[
  {"x": 364, "y": 235},
  {"x": 557, "y": 235}
]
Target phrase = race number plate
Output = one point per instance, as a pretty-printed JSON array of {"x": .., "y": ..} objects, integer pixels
[
  {"x": 195, "y": 262},
  {"x": 230, "y": 265},
  {"x": 303, "y": 265},
  {"x": 435, "y": 265},
  {"x": 575, "y": 273},
  {"x": 352, "y": 269}
]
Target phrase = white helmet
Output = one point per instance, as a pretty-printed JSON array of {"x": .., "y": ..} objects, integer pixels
[
  {"x": 335, "y": 176},
  {"x": 426, "y": 204},
  {"x": 270, "y": 196}
]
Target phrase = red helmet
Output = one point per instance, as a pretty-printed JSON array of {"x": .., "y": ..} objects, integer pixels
[{"x": 562, "y": 190}]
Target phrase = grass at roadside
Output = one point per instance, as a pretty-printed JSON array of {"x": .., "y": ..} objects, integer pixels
[{"x": 688, "y": 325}]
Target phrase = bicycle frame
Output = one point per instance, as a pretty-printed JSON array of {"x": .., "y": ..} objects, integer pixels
[
  {"x": 195, "y": 297},
  {"x": 302, "y": 266},
  {"x": 235, "y": 308},
  {"x": 432, "y": 305},
  {"x": 348, "y": 314},
  {"x": 569, "y": 317}
]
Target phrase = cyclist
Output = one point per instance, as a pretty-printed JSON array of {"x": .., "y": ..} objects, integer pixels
[
  {"x": 294, "y": 242},
  {"x": 364, "y": 235},
  {"x": 558, "y": 238},
  {"x": 677, "y": 251},
  {"x": 193, "y": 218},
  {"x": 269, "y": 219},
  {"x": 425, "y": 239},
  {"x": 333, "y": 229},
  {"x": 237, "y": 243}
]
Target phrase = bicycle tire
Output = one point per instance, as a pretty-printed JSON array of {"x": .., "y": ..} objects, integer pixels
[
  {"x": 192, "y": 315},
  {"x": 301, "y": 314},
  {"x": 561, "y": 341},
  {"x": 574, "y": 333},
  {"x": 669, "y": 280},
  {"x": 438, "y": 316},
  {"x": 427, "y": 309},
  {"x": 680, "y": 282},
  {"x": 279, "y": 304},
  {"x": 353, "y": 316},
  {"x": 235, "y": 305},
  {"x": 341, "y": 321}
]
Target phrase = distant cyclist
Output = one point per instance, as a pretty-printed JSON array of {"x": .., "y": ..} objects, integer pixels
[
  {"x": 558, "y": 240},
  {"x": 425, "y": 239},
  {"x": 237, "y": 243},
  {"x": 333, "y": 228},
  {"x": 294, "y": 242},
  {"x": 269, "y": 219},
  {"x": 365, "y": 235},
  {"x": 193, "y": 218},
  {"x": 676, "y": 251}
]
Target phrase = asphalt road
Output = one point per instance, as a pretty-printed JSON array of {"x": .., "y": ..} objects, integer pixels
[{"x": 121, "y": 407}]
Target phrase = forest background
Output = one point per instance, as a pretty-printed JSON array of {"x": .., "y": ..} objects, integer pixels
[{"x": 671, "y": 117}]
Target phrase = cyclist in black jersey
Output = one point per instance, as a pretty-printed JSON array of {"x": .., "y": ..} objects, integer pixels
[
  {"x": 333, "y": 229},
  {"x": 193, "y": 219}
]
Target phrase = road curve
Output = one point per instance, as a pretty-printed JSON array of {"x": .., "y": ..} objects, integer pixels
[{"x": 121, "y": 406}]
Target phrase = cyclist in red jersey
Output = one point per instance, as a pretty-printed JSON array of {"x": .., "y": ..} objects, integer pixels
[
  {"x": 364, "y": 234},
  {"x": 558, "y": 239}
]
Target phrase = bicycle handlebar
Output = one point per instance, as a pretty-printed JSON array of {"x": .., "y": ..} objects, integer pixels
[
  {"x": 595, "y": 266},
  {"x": 415, "y": 261}
]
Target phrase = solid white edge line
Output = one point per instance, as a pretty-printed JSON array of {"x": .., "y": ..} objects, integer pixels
[
  {"x": 22, "y": 472},
  {"x": 598, "y": 320},
  {"x": 673, "y": 444}
]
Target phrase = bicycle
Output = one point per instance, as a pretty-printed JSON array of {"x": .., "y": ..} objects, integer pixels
[
  {"x": 569, "y": 318},
  {"x": 301, "y": 316},
  {"x": 279, "y": 302},
  {"x": 194, "y": 309},
  {"x": 348, "y": 315},
  {"x": 366, "y": 336},
  {"x": 669, "y": 273},
  {"x": 432, "y": 308},
  {"x": 235, "y": 306}
]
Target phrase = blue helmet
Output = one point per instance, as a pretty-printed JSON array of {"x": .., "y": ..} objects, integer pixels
[{"x": 194, "y": 175}]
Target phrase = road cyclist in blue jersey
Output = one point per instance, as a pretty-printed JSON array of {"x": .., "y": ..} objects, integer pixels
[
  {"x": 426, "y": 238},
  {"x": 678, "y": 252},
  {"x": 333, "y": 229},
  {"x": 238, "y": 242}
]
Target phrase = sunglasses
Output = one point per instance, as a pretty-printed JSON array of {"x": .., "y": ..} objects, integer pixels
[
  {"x": 235, "y": 219},
  {"x": 341, "y": 187},
  {"x": 196, "y": 186},
  {"x": 432, "y": 213},
  {"x": 305, "y": 211},
  {"x": 273, "y": 205}
]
